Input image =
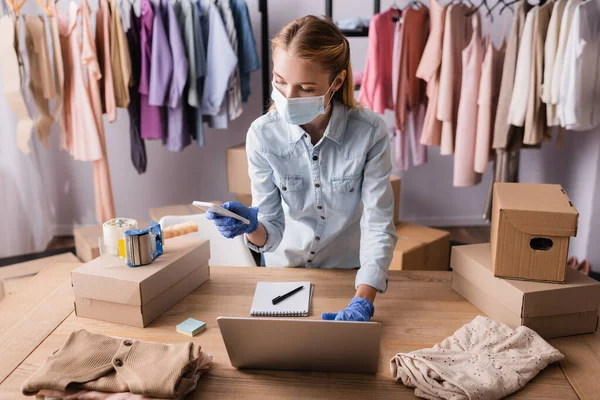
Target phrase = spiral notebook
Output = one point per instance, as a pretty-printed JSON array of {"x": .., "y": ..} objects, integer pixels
[{"x": 296, "y": 305}]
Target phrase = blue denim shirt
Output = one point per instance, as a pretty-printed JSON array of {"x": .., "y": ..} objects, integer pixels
[{"x": 329, "y": 205}]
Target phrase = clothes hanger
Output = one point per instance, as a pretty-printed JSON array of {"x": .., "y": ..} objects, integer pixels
[
  {"x": 46, "y": 7},
  {"x": 416, "y": 4},
  {"x": 14, "y": 6},
  {"x": 486, "y": 6}
]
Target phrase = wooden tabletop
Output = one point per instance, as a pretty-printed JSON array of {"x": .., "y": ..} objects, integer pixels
[{"x": 419, "y": 310}]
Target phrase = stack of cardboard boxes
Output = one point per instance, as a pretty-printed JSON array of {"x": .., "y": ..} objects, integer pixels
[
  {"x": 521, "y": 277},
  {"x": 418, "y": 248}
]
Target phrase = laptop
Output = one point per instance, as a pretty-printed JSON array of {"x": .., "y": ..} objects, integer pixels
[{"x": 301, "y": 344}]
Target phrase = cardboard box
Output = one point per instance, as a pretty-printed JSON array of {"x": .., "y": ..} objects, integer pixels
[
  {"x": 106, "y": 288},
  {"x": 531, "y": 228},
  {"x": 245, "y": 199},
  {"x": 396, "y": 182},
  {"x": 238, "y": 181},
  {"x": 157, "y": 213},
  {"x": 552, "y": 310},
  {"x": 87, "y": 245},
  {"x": 421, "y": 248}
]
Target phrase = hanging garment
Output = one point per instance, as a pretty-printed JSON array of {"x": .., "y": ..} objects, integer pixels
[
  {"x": 487, "y": 102},
  {"x": 82, "y": 111},
  {"x": 521, "y": 86},
  {"x": 376, "y": 89},
  {"x": 579, "y": 103},
  {"x": 119, "y": 57},
  {"x": 59, "y": 77},
  {"x": 466, "y": 121},
  {"x": 536, "y": 129},
  {"x": 413, "y": 129},
  {"x": 411, "y": 90},
  {"x": 234, "y": 90},
  {"x": 220, "y": 58},
  {"x": 429, "y": 71},
  {"x": 458, "y": 31},
  {"x": 178, "y": 132},
  {"x": 107, "y": 91},
  {"x": 161, "y": 65},
  {"x": 41, "y": 84},
  {"x": 153, "y": 118},
  {"x": 550, "y": 50},
  {"x": 565, "y": 28},
  {"x": 138, "y": 147},
  {"x": 484, "y": 359},
  {"x": 12, "y": 87},
  {"x": 200, "y": 26},
  {"x": 248, "y": 60}
]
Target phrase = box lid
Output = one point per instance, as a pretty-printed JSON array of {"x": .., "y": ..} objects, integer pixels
[
  {"x": 537, "y": 209},
  {"x": 579, "y": 293},
  {"x": 108, "y": 278}
]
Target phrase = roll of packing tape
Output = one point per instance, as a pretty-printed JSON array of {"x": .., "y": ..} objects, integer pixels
[{"x": 113, "y": 230}]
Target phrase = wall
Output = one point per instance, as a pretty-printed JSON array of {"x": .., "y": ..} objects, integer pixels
[{"x": 195, "y": 174}]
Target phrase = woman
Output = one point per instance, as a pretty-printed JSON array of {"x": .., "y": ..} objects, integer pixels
[{"x": 320, "y": 168}]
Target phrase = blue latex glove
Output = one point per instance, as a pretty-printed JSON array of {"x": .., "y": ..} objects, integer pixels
[
  {"x": 231, "y": 227},
  {"x": 359, "y": 309}
]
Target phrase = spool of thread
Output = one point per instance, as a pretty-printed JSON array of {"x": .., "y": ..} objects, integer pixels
[{"x": 113, "y": 231}]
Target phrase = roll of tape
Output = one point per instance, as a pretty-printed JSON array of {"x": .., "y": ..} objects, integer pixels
[{"x": 113, "y": 230}]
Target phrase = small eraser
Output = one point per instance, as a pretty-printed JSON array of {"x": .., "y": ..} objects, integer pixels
[{"x": 191, "y": 327}]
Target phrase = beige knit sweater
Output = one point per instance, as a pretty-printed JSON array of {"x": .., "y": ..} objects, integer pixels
[{"x": 107, "y": 364}]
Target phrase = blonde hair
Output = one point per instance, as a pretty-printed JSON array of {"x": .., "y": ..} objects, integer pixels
[{"x": 318, "y": 39}]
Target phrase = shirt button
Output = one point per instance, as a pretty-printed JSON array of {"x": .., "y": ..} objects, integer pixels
[
  {"x": 128, "y": 343},
  {"x": 317, "y": 238},
  {"x": 118, "y": 362},
  {"x": 317, "y": 185},
  {"x": 312, "y": 252},
  {"x": 322, "y": 217},
  {"x": 309, "y": 261},
  {"x": 315, "y": 158},
  {"x": 351, "y": 190},
  {"x": 284, "y": 188},
  {"x": 498, "y": 366},
  {"x": 473, "y": 356},
  {"x": 319, "y": 207}
]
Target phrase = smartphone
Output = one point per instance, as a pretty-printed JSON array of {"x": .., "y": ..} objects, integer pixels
[{"x": 217, "y": 209}]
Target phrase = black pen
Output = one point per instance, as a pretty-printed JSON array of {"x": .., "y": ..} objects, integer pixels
[{"x": 285, "y": 296}]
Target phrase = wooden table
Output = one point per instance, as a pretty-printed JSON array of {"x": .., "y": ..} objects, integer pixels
[{"x": 419, "y": 309}]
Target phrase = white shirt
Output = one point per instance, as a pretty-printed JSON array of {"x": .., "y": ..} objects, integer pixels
[
  {"x": 520, "y": 95},
  {"x": 550, "y": 50},
  {"x": 579, "y": 100}
]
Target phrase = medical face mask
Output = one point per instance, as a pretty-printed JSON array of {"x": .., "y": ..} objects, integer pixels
[{"x": 299, "y": 110}]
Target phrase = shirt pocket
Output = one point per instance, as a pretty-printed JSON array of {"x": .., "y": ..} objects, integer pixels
[
  {"x": 292, "y": 191},
  {"x": 346, "y": 192}
]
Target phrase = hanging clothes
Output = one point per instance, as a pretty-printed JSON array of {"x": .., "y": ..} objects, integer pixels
[
  {"x": 413, "y": 129},
  {"x": 565, "y": 28},
  {"x": 466, "y": 121},
  {"x": 234, "y": 91},
  {"x": 107, "y": 91},
  {"x": 137, "y": 145},
  {"x": 59, "y": 76},
  {"x": 376, "y": 89},
  {"x": 487, "y": 102},
  {"x": 248, "y": 60},
  {"x": 178, "y": 132},
  {"x": 153, "y": 117},
  {"x": 536, "y": 129},
  {"x": 550, "y": 50},
  {"x": 200, "y": 27},
  {"x": 458, "y": 31},
  {"x": 82, "y": 111},
  {"x": 41, "y": 84},
  {"x": 119, "y": 57},
  {"x": 429, "y": 70},
  {"x": 221, "y": 60},
  {"x": 579, "y": 103}
]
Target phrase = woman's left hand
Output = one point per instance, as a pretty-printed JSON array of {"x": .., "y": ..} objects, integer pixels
[{"x": 359, "y": 309}]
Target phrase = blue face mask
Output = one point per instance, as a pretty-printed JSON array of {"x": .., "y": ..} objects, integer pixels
[{"x": 300, "y": 110}]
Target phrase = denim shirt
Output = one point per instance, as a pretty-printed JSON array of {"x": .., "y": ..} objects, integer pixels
[{"x": 329, "y": 205}]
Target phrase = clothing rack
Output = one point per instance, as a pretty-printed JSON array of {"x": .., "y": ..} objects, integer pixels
[{"x": 263, "y": 7}]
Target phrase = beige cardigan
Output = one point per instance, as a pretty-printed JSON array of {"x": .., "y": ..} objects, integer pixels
[{"x": 107, "y": 364}]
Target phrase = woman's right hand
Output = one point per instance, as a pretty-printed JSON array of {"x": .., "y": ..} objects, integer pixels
[{"x": 231, "y": 227}]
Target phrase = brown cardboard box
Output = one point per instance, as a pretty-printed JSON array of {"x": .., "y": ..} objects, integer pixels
[
  {"x": 396, "y": 182},
  {"x": 157, "y": 213},
  {"x": 420, "y": 248},
  {"x": 245, "y": 199},
  {"x": 551, "y": 309},
  {"x": 106, "y": 288},
  {"x": 238, "y": 181},
  {"x": 87, "y": 246},
  {"x": 531, "y": 228}
]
